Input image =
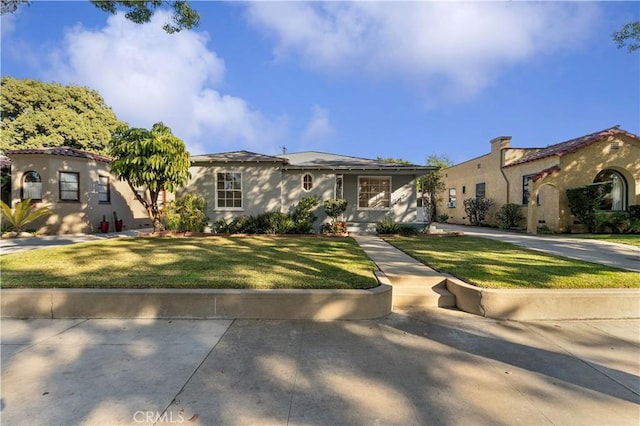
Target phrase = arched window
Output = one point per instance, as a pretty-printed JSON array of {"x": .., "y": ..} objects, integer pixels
[
  {"x": 32, "y": 186},
  {"x": 616, "y": 198},
  {"x": 307, "y": 182}
]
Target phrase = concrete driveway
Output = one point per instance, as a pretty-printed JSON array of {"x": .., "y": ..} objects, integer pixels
[
  {"x": 622, "y": 256},
  {"x": 436, "y": 367}
]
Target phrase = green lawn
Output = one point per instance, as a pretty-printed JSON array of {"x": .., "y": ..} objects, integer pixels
[
  {"x": 495, "y": 264},
  {"x": 214, "y": 262},
  {"x": 631, "y": 239}
]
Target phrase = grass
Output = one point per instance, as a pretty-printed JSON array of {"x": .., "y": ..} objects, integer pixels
[
  {"x": 496, "y": 264},
  {"x": 630, "y": 239},
  {"x": 215, "y": 262}
]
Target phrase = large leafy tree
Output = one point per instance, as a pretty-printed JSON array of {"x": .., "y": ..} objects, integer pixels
[
  {"x": 138, "y": 11},
  {"x": 35, "y": 114},
  {"x": 149, "y": 161},
  {"x": 629, "y": 36}
]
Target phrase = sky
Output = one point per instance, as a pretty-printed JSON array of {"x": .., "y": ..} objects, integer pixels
[{"x": 368, "y": 79}]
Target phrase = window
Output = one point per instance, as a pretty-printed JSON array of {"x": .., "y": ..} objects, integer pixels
[
  {"x": 451, "y": 200},
  {"x": 32, "y": 186},
  {"x": 464, "y": 189},
  {"x": 104, "y": 191},
  {"x": 339, "y": 187},
  {"x": 527, "y": 184},
  {"x": 307, "y": 182},
  {"x": 69, "y": 186},
  {"x": 480, "y": 190},
  {"x": 616, "y": 198},
  {"x": 229, "y": 190},
  {"x": 374, "y": 192}
]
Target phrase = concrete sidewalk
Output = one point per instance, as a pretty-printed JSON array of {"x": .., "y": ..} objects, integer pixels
[
  {"x": 622, "y": 256},
  {"x": 435, "y": 367}
]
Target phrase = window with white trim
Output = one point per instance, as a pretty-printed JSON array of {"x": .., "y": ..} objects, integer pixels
[
  {"x": 374, "y": 192},
  {"x": 69, "y": 185},
  {"x": 307, "y": 182},
  {"x": 32, "y": 186},
  {"x": 451, "y": 200},
  {"x": 229, "y": 190}
]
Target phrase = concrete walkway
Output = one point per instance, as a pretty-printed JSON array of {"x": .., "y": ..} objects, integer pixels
[
  {"x": 622, "y": 256},
  {"x": 434, "y": 367}
]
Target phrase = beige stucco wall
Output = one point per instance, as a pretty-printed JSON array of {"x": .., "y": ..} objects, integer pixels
[
  {"x": 81, "y": 216},
  {"x": 504, "y": 185},
  {"x": 581, "y": 167}
]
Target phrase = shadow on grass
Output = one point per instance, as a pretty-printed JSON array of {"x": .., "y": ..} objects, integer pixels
[
  {"x": 495, "y": 264},
  {"x": 216, "y": 262}
]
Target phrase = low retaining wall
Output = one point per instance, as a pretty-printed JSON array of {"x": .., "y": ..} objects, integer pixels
[
  {"x": 198, "y": 304},
  {"x": 540, "y": 304}
]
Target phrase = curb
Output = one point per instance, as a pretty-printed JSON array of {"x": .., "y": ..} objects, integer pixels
[
  {"x": 198, "y": 304},
  {"x": 541, "y": 304}
]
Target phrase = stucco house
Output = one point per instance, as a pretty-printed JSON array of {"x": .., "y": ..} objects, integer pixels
[
  {"x": 537, "y": 178},
  {"x": 246, "y": 183},
  {"x": 77, "y": 185}
]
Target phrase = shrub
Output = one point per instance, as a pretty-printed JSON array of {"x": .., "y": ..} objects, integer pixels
[
  {"x": 273, "y": 223},
  {"x": 443, "y": 217},
  {"x": 407, "y": 230},
  {"x": 302, "y": 215},
  {"x": 334, "y": 228},
  {"x": 585, "y": 201},
  {"x": 476, "y": 209},
  {"x": 23, "y": 214},
  {"x": 387, "y": 226},
  {"x": 634, "y": 212},
  {"x": 186, "y": 214},
  {"x": 334, "y": 207},
  {"x": 509, "y": 215}
]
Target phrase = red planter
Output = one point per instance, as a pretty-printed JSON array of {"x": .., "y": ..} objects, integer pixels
[
  {"x": 104, "y": 227},
  {"x": 119, "y": 225}
]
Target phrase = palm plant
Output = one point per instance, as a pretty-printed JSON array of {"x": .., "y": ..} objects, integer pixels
[{"x": 23, "y": 214}]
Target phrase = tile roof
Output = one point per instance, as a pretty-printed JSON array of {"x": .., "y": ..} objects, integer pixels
[
  {"x": 4, "y": 161},
  {"x": 570, "y": 146},
  {"x": 65, "y": 151},
  {"x": 236, "y": 156}
]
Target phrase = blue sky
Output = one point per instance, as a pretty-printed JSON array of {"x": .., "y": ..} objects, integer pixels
[{"x": 368, "y": 79}]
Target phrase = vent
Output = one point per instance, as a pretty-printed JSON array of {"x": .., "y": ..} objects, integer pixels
[{"x": 615, "y": 146}]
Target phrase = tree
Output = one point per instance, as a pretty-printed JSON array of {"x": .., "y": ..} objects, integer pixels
[
  {"x": 35, "y": 114},
  {"x": 149, "y": 160},
  {"x": 23, "y": 214},
  {"x": 628, "y": 36},
  {"x": 431, "y": 185},
  {"x": 584, "y": 202},
  {"x": 138, "y": 11}
]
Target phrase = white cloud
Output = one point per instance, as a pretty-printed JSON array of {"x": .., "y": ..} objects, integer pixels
[
  {"x": 454, "y": 48},
  {"x": 147, "y": 76},
  {"x": 319, "y": 126}
]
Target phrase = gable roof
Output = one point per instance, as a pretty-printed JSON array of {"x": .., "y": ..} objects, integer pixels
[
  {"x": 570, "y": 146},
  {"x": 65, "y": 151},
  {"x": 322, "y": 160},
  {"x": 236, "y": 156}
]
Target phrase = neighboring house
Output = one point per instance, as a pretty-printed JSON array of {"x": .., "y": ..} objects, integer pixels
[
  {"x": 76, "y": 185},
  {"x": 537, "y": 178},
  {"x": 245, "y": 183}
]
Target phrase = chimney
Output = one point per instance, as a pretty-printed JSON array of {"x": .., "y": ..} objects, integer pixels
[{"x": 500, "y": 142}]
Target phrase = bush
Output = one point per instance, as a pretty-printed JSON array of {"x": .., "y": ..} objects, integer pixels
[
  {"x": 443, "y": 217},
  {"x": 334, "y": 208},
  {"x": 509, "y": 215},
  {"x": 186, "y": 214},
  {"x": 477, "y": 209},
  {"x": 302, "y": 215},
  {"x": 407, "y": 230},
  {"x": 334, "y": 228},
  {"x": 585, "y": 201},
  {"x": 23, "y": 214},
  {"x": 387, "y": 226},
  {"x": 273, "y": 223},
  {"x": 634, "y": 212}
]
